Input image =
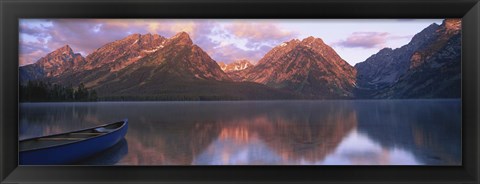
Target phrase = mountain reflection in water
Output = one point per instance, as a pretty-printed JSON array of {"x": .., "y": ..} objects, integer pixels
[{"x": 360, "y": 132}]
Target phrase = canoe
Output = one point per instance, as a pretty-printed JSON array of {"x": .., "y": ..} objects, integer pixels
[{"x": 67, "y": 148}]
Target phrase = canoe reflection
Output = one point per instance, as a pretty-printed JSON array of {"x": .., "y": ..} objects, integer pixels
[{"x": 110, "y": 156}]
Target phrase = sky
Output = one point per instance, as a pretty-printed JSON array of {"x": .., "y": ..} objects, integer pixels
[{"x": 225, "y": 40}]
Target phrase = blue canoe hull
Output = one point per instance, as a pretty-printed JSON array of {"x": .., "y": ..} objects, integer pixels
[{"x": 69, "y": 153}]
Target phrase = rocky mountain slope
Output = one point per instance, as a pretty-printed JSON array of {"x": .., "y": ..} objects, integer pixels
[
  {"x": 178, "y": 60},
  {"x": 385, "y": 67},
  {"x": 235, "y": 66},
  {"x": 434, "y": 70},
  {"x": 54, "y": 64},
  {"x": 236, "y": 70},
  {"x": 427, "y": 67},
  {"x": 308, "y": 67},
  {"x": 121, "y": 53}
]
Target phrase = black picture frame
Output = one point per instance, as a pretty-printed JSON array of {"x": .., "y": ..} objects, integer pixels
[{"x": 12, "y": 10}]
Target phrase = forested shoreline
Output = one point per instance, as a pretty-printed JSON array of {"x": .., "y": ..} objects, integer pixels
[{"x": 39, "y": 91}]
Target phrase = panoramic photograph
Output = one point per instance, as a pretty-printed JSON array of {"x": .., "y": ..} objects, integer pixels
[{"x": 240, "y": 92}]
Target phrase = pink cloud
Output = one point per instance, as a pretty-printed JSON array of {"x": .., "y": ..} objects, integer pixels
[
  {"x": 364, "y": 40},
  {"x": 31, "y": 57},
  {"x": 257, "y": 34},
  {"x": 31, "y": 51}
]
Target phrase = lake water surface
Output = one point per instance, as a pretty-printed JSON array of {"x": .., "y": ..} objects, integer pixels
[{"x": 333, "y": 132}]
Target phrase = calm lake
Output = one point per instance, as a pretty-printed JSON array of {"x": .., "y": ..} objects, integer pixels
[{"x": 332, "y": 132}]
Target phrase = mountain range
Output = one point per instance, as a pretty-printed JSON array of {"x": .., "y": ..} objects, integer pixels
[{"x": 153, "y": 67}]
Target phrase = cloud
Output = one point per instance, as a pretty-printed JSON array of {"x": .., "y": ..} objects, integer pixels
[
  {"x": 242, "y": 39},
  {"x": 368, "y": 40},
  {"x": 259, "y": 34},
  {"x": 258, "y": 31},
  {"x": 31, "y": 52},
  {"x": 33, "y": 31},
  {"x": 365, "y": 40}
]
